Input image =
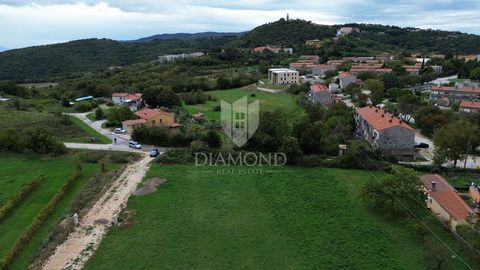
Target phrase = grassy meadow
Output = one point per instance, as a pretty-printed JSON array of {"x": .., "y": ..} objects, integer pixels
[
  {"x": 268, "y": 101},
  {"x": 290, "y": 218}
]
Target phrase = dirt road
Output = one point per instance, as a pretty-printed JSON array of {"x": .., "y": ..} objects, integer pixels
[{"x": 81, "y": 243}]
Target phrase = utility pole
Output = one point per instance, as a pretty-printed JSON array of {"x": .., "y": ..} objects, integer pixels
[{"x": 466, "y": 154}]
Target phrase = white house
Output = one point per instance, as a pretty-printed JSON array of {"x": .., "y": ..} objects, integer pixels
[
  {"x": 132, "y": 101},
  {"x": 281, "y": 76}
]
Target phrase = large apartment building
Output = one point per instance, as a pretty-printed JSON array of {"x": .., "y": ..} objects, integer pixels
[
  {"x": 281, "y": 76},
  {"x": 386, "y": 132},
  {"x": 454, "y": 94}
]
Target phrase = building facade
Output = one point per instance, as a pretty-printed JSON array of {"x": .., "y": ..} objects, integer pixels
[
  {"x": 345, "y": 79},
  {"x": 469, "y": 106},
  {"x": 444, "y": 201},
  {"x": 132, "y": 101},
  {"x": 282, "y": 76},
  {"x": 454, "y": 94},
  {"x": 385, "y": 132},
  {"x": 319, "y": 93}
]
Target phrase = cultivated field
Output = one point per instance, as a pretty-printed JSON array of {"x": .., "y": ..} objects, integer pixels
[
  {"x": 268, "y": 101},
  {"x": 17, "y": 170},
  {"x": 292, "y": 218}
]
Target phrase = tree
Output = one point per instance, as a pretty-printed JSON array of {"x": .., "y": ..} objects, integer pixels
[
  {"x": 402, "y": 185},
  {"x": 455, "y": 139},
  {"x": 99, "y": 114},
  {"x": 408, "y": 104},
  {"x": 291, "y": 148},
  {"x": 377, "y": 88},
  {"x": 117, "y": 115},
  {"x": 475, "y": 74},
  {"x": 40, "y": 140},
  {"x": 391, "y": 80},
  {"x": 161, "y": 97},
  {"x": 213, "y": 139}
]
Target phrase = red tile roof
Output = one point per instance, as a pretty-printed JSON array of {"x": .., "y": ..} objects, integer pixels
[
  {"x": 148, "y": 113},
  {"x": 446, "y": 196},
  {"x": 315, "y": 88},
  {"x": 128, "y": 96},
  {"x": 470, "y": 104},
  {"x": 475, "y": 90},
  {"x": 134, "y": 122},
  {"x": 380, "y": 119},
  {"x": 344, "y": 75}
]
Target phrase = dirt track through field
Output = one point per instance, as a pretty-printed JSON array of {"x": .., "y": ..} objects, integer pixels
[{"x": 81, "y": 243}]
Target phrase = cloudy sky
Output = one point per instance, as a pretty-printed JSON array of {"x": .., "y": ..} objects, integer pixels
[{"x": 26, "y": 22}]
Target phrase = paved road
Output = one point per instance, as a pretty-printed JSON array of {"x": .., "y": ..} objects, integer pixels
[
  {"x": 120, "y": 145},
  {"x": 473, "y": 162}
]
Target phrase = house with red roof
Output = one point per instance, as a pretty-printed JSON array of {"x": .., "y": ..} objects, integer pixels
[
  {"x": 132, "y": 101},
  {"x": 320, "y": 93},
  {"x": 385, "y": 132},
  {"x": 152, "y": 117},
  {"x": 454, "y": 93},
  {"x": 444, "y": 201},
  {"x": 467, "y": 106},
  {"x": 346, "y": 79}
]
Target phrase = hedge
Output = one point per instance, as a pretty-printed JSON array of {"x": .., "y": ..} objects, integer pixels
[
  {"x": 37, "y": 221},
  {"x": 13, "y": 201}
]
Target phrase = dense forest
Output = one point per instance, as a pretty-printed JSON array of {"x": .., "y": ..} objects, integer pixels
[{"x": 71, "y": 59}]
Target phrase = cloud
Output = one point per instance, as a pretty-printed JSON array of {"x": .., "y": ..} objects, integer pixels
[{"x": 33, "y": 22}]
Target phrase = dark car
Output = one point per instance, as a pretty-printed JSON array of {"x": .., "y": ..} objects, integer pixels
[
  {"x": 422, "y": 145},
  {"x": 154, "y": 152}
]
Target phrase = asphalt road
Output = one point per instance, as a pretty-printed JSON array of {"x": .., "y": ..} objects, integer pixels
[{"x": 121, "y": 142}]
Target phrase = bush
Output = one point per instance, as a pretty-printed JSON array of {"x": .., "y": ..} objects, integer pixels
[
  {"x": 85, "y": 106},
  {"x": 176, "y": 155}
]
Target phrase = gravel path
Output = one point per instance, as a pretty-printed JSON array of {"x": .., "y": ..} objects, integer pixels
[{"x": 81, "y": 243}]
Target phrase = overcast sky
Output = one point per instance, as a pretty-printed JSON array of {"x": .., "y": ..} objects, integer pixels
[{"x": 25, "y": 22}]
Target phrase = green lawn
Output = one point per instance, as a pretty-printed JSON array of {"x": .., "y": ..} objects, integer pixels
[
  {"x": 78, "y": 131},
  {"x": 17, "y": 170},
  {"x": 88, "y": 134},
  {"x": 293, "y": 218},
  {"x": 268, "y": 101}
]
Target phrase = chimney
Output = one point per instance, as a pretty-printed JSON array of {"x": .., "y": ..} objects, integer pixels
[
  {"x": 434, "y": 185},
  {"x": 383, "y": 115},
  {"x": 400, "y": 122},
  {"x": 390, "y": 120},
  {"x": 376, "y": 110}
]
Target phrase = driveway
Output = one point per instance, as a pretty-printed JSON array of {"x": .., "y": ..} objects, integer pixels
[
  {"x": 473, "y": 162},
  {"x": 120, "y": 145}
]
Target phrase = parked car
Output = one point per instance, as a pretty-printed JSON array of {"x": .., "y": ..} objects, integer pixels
[
  {"x": 422, "y": 145},
  {"x": 119, "y": 131},
  {"x": 134, "y": 144},
  {"x": 154, "y": 152}
]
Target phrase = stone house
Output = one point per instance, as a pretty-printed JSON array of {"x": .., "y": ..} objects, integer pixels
[
  {"x": 319, "y": 93},
  {"x": 385, "y": 132}
]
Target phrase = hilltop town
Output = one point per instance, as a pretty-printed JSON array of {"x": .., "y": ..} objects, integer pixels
[{"x": 321, "y": 147}]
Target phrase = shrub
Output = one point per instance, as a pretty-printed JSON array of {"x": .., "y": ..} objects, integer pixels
[{"x": 176, "y": 155}]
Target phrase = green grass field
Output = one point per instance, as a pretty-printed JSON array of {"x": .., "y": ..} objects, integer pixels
[
  {"x": 89, "y": 132},
  {"x": 296, "y": 218},
  {"x": 268, "y": 101},
  {"x": 77, "y": 132},
  {"x": 17, "y": 170}
]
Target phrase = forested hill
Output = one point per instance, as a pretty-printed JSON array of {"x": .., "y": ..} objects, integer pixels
[
  {"x": 372, "y": 37},
  {"x": 50, "y": 61},
  {"x": 286, "y": 33},
  {"x": 187, "y": 36}
]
